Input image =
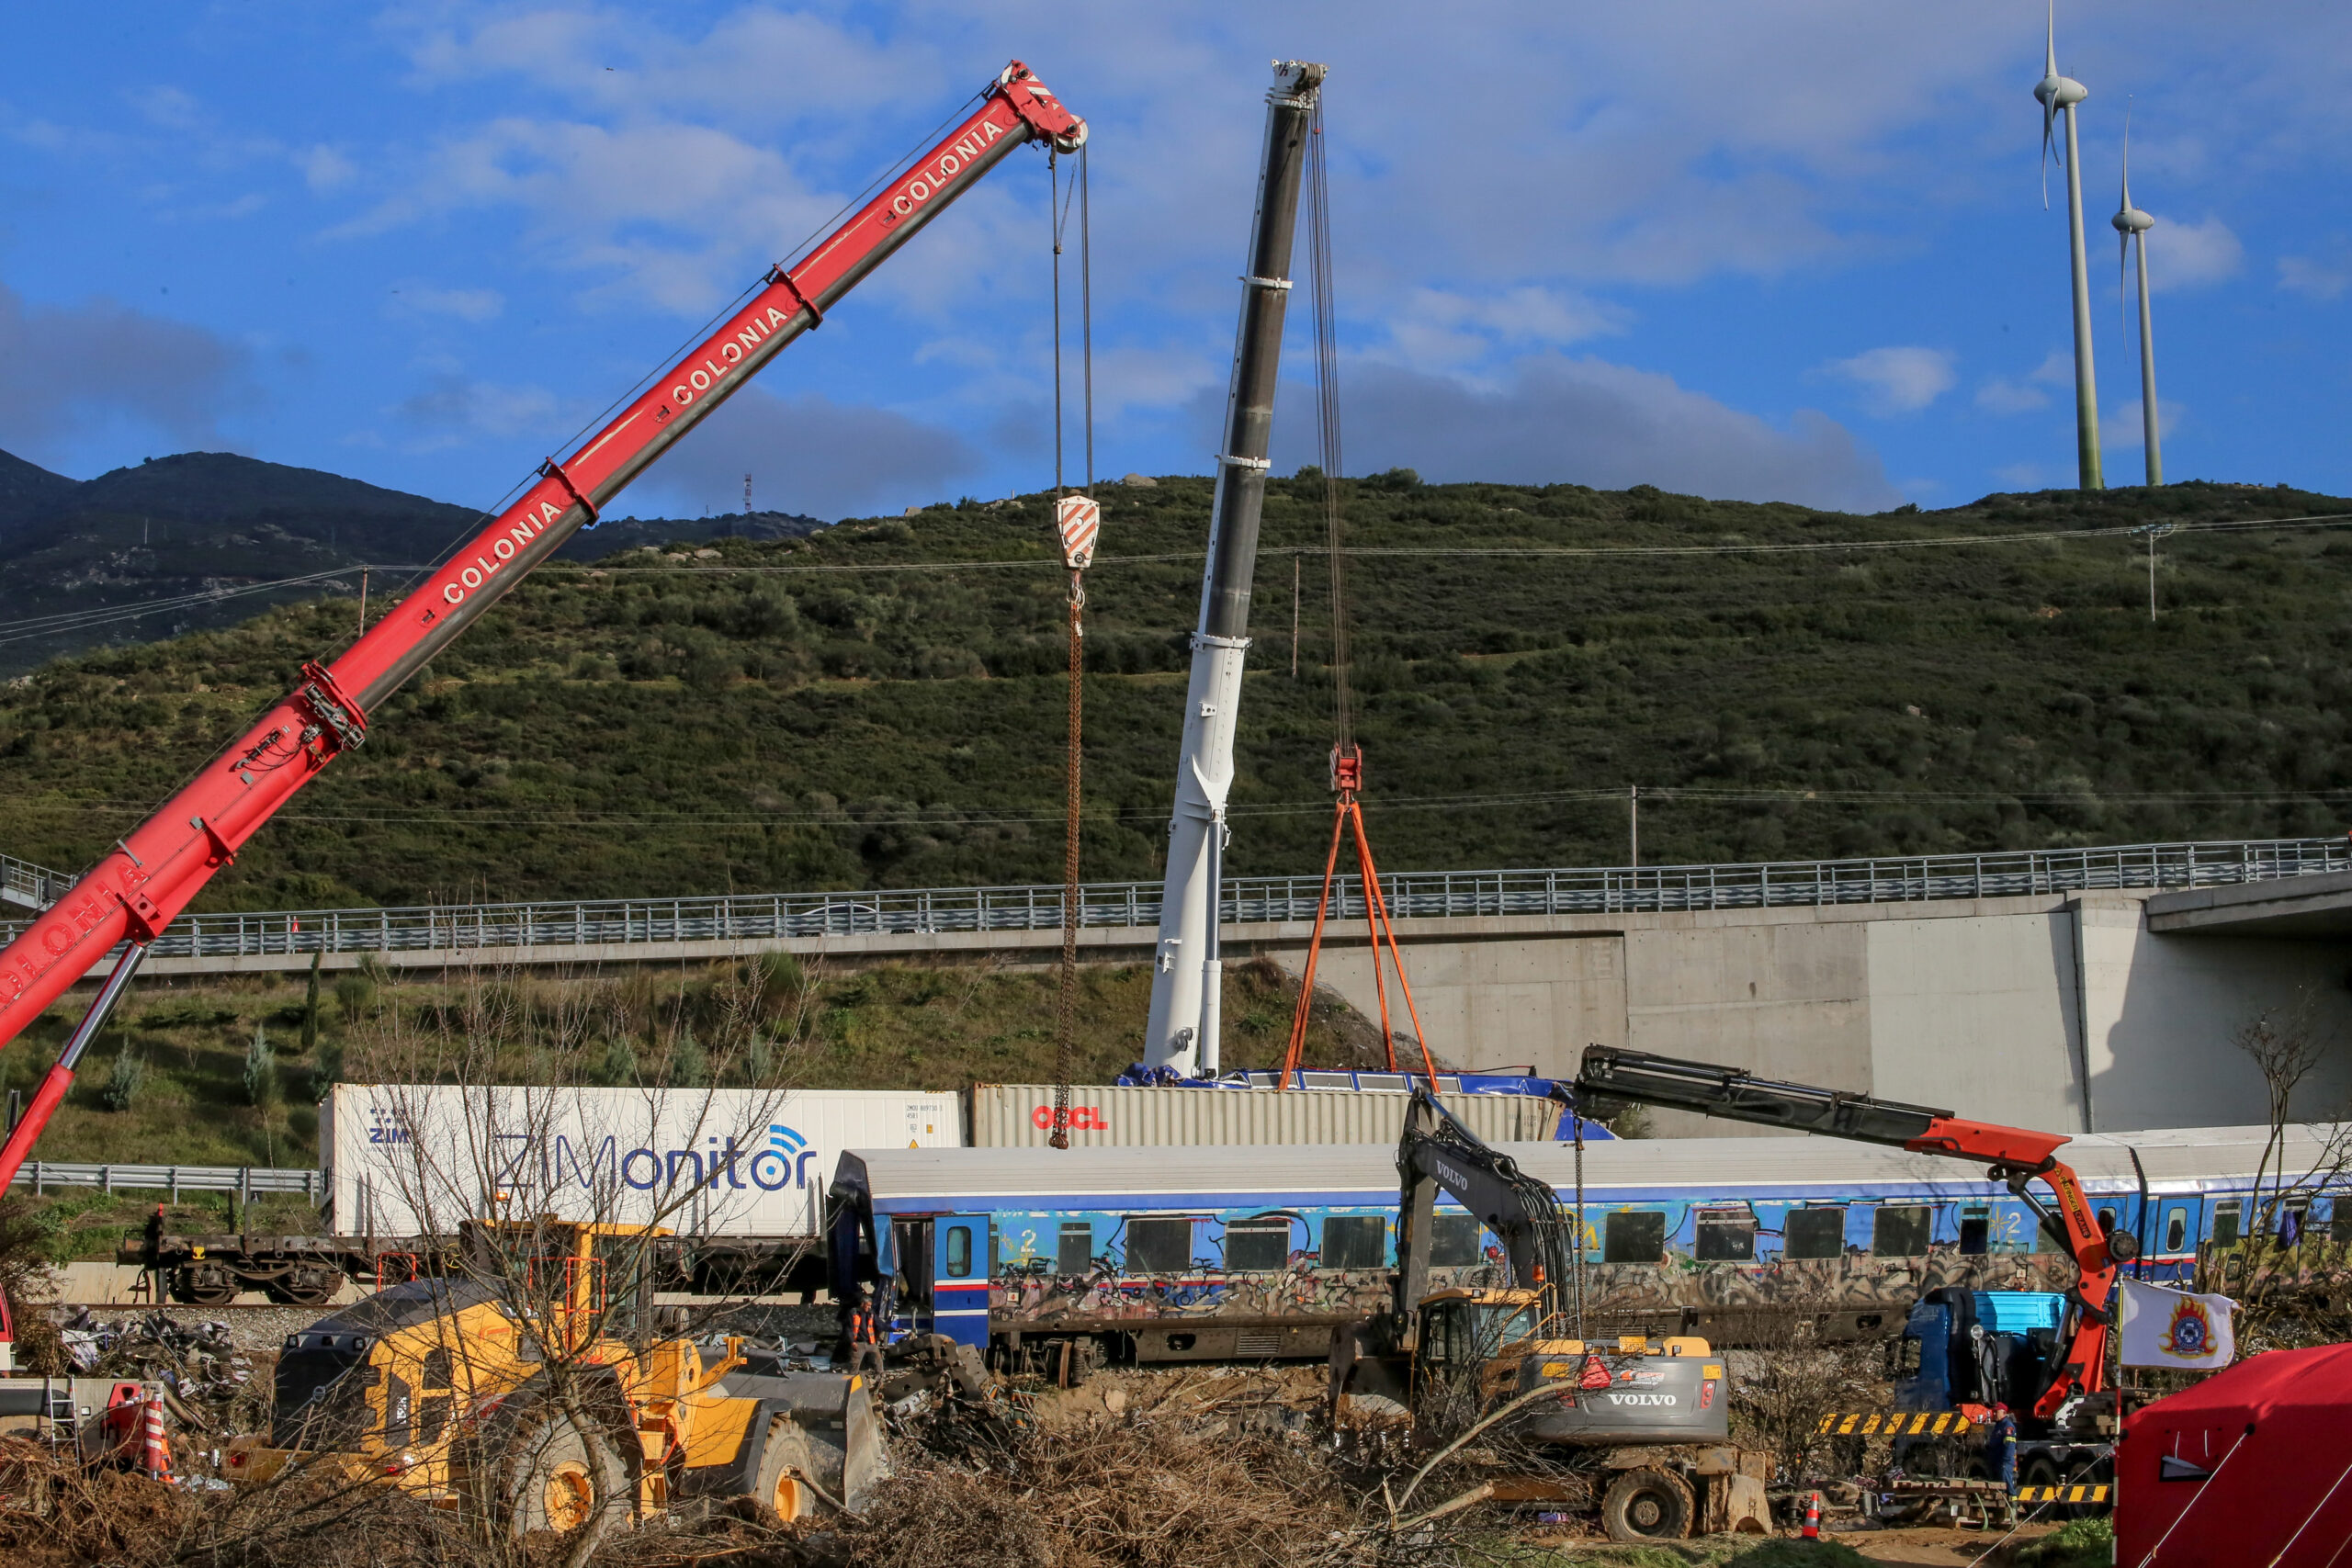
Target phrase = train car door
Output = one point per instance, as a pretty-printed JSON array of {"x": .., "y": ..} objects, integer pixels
[
  {"x": 960, "y": 1270},
  {"x": 2175, "y": 1227},
  {"x": 911, "y": 1240}
]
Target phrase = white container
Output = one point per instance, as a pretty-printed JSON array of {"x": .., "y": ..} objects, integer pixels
[
  {"x": 1022, "y": 1116},
  {"x": 415, "y": 1159}
]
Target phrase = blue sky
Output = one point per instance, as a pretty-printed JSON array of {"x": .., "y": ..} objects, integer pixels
[{"x": 1787, "y": 252}]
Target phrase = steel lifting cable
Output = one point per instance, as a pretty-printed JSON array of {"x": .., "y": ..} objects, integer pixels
[
  {"x": 1326, "y": 408},
  {"x": 1066, "y": 1017}
]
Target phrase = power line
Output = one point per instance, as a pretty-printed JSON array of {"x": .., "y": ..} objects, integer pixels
[{"x": 67, "y": 621}]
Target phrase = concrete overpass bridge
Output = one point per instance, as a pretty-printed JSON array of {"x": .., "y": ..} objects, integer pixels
[{"x": 2079, "y": 989}]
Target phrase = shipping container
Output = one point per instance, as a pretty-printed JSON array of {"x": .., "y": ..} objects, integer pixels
[
  {"x": 415, "y": 1159},
  {"x": 1022, "y": 1116}
]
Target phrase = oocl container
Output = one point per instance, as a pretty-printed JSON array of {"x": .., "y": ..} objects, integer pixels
[{"x": 1021, "y": 1115}]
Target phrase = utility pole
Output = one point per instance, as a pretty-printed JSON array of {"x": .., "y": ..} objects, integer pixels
[
  {"x": 2155, "y": 531},
  {"x": 1633, "y": 824},
  {"x": 363, "y": 601}
]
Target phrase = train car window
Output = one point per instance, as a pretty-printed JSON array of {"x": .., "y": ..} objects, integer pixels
[
  {"x": 2292, "y": 1215},
  {"x": 1899, "y": 1232},
  {"x": 1813, "y": 1233},
  {"x": 993, "y": 1259},
  {"x": 1074, "y": 1259},
  {"x": 1257, "y": 1246},
  {"x": 2176, "y": 1229},
  {"x": 1726, "y": 1236},
  {"x": 1159, "y": 1246},
  {"x": 1975, "y": 1232},
  {"x": 1634, "y": 1235},
  {"x": 959, "y": 1252},
  {"x": 1355, "y": 1241},
  {"x": 2340, "y": 1227},
  {"x": 1454, "y": 1242},
  {"x": 2225, "y": 1222}
]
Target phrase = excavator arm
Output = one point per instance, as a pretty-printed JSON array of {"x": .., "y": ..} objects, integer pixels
[
  {"x": 132, "y": 895},
  {"x": 2013, "y": 1155},
  {"x": 1437, "y": 1151}
]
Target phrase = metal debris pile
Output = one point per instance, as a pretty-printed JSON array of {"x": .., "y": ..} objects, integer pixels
[{"x": 208, "y": 1379}]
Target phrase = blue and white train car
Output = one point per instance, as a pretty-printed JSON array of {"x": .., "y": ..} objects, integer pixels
[{"x": 1251, "y": 1253}]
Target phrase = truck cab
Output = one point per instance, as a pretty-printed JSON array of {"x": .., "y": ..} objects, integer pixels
[{"x": 1969, "y": 1350}]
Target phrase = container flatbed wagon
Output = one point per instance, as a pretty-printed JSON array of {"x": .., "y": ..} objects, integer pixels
[
  {"x": 1183, "y": 1254},
  {"x": 740, "y": 1174}
]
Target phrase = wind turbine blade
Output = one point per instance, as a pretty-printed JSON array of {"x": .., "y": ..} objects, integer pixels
[
  {"x": 2126, "y": 154},
  {"x": 2047, "y": 115}
]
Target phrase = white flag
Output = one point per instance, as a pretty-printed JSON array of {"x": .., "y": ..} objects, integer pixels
[{"x": 2176, "y": 1328}]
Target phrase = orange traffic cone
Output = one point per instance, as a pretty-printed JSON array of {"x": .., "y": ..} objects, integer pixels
[
  {"x": 1812, "y": 1530},
  {"x": 154, "y": 1449}
]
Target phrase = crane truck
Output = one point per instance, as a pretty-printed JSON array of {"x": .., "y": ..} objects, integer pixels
[
  {"x": 1652, "y": 1417},
  {"x": 123, "y": 903},
  {"x": 2043, "y": 1355}
]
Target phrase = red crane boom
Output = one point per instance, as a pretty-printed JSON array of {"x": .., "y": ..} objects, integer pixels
[
  {"x": 156, "y": 870},
  {"x": 2015, "y": 1156}
]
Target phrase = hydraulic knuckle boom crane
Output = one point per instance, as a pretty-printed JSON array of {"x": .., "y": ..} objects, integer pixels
[{"x": 2013, "y": 1155}]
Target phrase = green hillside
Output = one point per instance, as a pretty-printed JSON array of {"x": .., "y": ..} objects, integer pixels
[{"x": 666, "y": 724}]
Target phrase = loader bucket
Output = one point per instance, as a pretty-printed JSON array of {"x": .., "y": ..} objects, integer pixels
[{"x": 836, "y": 1412}]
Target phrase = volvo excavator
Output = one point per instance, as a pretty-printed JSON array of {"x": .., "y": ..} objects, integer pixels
[
  {"x": 1638, "y": 1428},
  {"x": 525, "y": 1397}
]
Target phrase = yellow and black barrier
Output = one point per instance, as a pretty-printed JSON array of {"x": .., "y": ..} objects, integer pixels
[
  {"x": 2077, "y": 1494},
  {"x": 1894, "y": 1424}
]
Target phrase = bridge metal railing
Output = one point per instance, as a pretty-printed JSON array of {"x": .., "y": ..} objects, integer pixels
[
  {"x": 244, "y": 1181},
  {"x": 35, "y": 886},
  {"x": 541, "y": 926}
]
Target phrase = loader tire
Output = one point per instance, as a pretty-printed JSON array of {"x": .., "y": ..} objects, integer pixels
[
  {"x": 557, "y": 1474},
  {"x": 786, "y": 1467},
  {"x": 1646, "y": 1504}
]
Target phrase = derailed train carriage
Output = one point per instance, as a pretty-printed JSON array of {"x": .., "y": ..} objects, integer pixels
[{"x": 1069, "y": 1258}]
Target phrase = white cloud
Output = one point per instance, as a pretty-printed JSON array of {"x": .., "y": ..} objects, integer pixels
[
  {"x": 1436, "y": 329},
  {"x": 1897, "y": 378},
  {"x": 455, "y": 410},
  {"x": 1555, "y": 419},
  {"x": 465, "y": 304},
  {"x": 2314, "y": 278},
  {"x": 2001, "y": 394},
  {"x": 2190, "y": 255},
  {"x": 325, "y": 169},
  {"x": 2122, "y": 429},
  {"x": 671, "y": 212}
]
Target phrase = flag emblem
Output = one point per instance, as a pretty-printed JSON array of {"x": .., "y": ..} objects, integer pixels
[{"x": 2190, "y": 1334}]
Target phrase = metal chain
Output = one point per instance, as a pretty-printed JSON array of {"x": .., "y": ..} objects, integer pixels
[{"x": 1066, "y": 1019}]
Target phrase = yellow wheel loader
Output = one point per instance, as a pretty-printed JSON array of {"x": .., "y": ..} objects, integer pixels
[{"x": 524, "y": 1392}]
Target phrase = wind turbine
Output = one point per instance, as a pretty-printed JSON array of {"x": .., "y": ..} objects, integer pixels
[
  {"x": 2129, "y": 220},
  {"x": 2060, "y": 95}
]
